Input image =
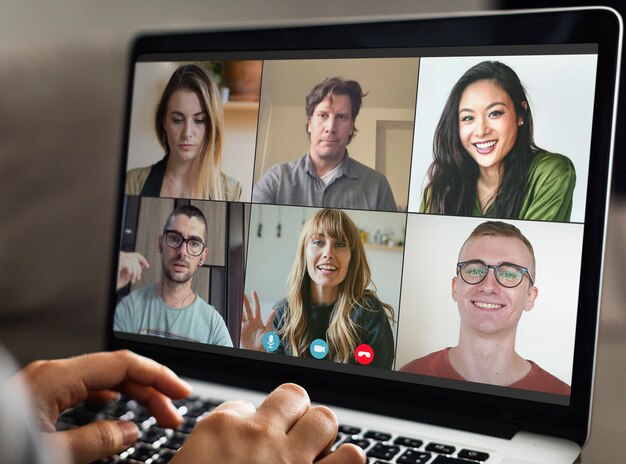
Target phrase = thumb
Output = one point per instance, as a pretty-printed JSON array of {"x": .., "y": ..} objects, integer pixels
[
  {"x": 270, "y": 321},
  {"x": 99, "y": 439}
]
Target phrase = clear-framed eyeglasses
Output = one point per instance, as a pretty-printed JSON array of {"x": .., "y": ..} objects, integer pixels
[
  {"x": 174, "y": 239},
  {"x": 507, "y": 274}
]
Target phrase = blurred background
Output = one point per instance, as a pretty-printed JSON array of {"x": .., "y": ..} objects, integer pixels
[{"x": 62, "y": 86}]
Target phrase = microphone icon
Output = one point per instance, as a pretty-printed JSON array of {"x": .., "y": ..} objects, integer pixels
[{"x": 271, "y": 341}]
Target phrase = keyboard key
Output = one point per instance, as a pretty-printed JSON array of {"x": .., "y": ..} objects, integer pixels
[
  {"x": 383, "y": 451},
  {"x": 414, "y": 457},
  {"x": 349, "y": 430},
  {"x": 449, "y": 460},
  {"x": 155, "y": 436},
  {"x": 378, "y": 436},
  {"x": 362, "y": 442},
  {"x": 79, "y": 416},
  {"x": 197, "y": 410},
  {"x": 175, "y": 441},
  {"x": 440, "y": 448},
  {"x": 474, "y": 455},
  {"x": 144, "y": 452},
  {"x": 141, "y": 416},
  {"x": 165, "y": 456},
  {"x": 188, "y": 425},
  {"x": 408, "y": 442}
]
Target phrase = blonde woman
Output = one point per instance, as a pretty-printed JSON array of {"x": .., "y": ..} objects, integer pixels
[
  {"x": 327, "y": 298},
  {"x": 189, "y": 125}
]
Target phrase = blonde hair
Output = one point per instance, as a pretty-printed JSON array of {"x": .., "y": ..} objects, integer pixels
[
  {"x": 197, "y": 79},
  {"x": 342, "y": 333}
]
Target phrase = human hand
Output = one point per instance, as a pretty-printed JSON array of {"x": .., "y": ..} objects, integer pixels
[
  {"x": 252, "y": 327},
  {"x": 285, "y": 429},
  {"x": 130, "y": 268},
  {"x": 60, "y": 384}
]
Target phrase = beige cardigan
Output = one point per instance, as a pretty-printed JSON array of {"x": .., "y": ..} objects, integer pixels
[{"x": 136, "y": 178}]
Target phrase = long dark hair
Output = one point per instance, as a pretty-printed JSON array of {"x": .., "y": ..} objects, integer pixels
[{"x": 453, "y": 174}]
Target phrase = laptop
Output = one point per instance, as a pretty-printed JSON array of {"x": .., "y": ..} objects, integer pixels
[{"x": 568, "y": 62}]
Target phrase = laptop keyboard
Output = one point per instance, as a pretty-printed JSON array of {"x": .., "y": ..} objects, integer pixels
[{"x": 157, "y": 445}]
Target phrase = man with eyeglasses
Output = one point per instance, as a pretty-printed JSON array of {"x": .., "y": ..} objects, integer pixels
[
  {"x": 494, "y": 285},
  {"x": 170, "y": 308}
]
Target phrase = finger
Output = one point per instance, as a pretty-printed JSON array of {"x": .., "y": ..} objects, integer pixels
[
  {"x": 103, "y": 396},
  {"x": 120, "y": 370},
  {"x": 345, "y": 454},
  {"x": 159, "y": 405},
  {"x": 101, "y": 371},
  {"x": 285, "y": 406},
  {"x": 133, "y": 273},
  {"x": 270, "y": 321},
  {"x": 239, "y": 407},
  {"x": 256, "y": 305},
  {"x": 247, "y": 311},
  {"x": 97, "y": 440},
  {"x": 318, "y": 429},
  {"x": 143, "y": 262}
]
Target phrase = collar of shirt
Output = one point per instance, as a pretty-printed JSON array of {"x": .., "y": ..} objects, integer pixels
[{"x": 344, "y": 168}]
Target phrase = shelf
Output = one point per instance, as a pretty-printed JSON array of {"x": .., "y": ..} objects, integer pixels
[
  {"x": 375, "y": 246},
  {"x": 241, "y": 106}
]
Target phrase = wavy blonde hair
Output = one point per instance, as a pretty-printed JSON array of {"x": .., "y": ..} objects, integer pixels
[
  {"x": 342, "y": 333},
  {"x": 197, "y": 79}
]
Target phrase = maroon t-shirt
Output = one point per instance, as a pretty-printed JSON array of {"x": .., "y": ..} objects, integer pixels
[{"x": 437, "y": 364}]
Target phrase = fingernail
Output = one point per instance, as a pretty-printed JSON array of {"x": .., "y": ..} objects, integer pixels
[{"x": 130, "y": 432}]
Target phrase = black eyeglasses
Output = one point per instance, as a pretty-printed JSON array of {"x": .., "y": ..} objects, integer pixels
[
  {"x": 174, "y": 239},
  {"x": 507, "y": 274}
]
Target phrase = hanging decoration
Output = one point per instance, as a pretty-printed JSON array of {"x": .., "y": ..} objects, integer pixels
[{"x": 259, "y": 227}]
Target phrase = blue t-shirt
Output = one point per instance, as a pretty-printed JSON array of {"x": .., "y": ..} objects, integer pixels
[{"x": 143, "y": 312}]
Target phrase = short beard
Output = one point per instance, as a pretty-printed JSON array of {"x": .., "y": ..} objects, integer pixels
[{"x": 179, "y": 280}]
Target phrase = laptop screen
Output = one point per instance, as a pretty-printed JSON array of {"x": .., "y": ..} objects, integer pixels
[{"x": 410, "y": 213}]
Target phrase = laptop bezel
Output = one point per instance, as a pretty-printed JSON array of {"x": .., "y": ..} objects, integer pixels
[{"x": 497, "y": 416}]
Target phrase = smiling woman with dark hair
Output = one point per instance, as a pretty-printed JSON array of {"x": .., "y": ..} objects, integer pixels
[{"x": 486, "y": 162}]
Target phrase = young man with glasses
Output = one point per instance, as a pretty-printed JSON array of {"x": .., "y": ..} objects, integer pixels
[
  {"x": 170, "y": 308},
  {"x": 494, "y": 285}
]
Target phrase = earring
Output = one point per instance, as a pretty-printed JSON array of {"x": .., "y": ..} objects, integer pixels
[{"x": 521, "y": 123}]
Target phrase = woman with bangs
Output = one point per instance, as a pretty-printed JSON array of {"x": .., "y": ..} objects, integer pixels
[
  {"x": 485, "y": 161},
  {"x": 189, "y": 124},
  {"x": 327, "y": 298}
]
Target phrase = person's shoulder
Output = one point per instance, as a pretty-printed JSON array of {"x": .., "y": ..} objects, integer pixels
[
  {"x": 548, "y": 161},
  {"x": 141, "y": 293},
  {"x": 203, "y": 304},
  {"x": 135, "y": 180},
  {"x": 427, "y": 364},
  {"x": 281, "y": 305},
  {"x": 542, "y": 380},
  {"x": 232, "y": 188},
  {"x": 369, "y": 311},
  {"x": 360, "y": 168},
  {"x": 370, "y": 302},
  {"x": 290, "y": 166},
  {"x": 357, "y": 169}
]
